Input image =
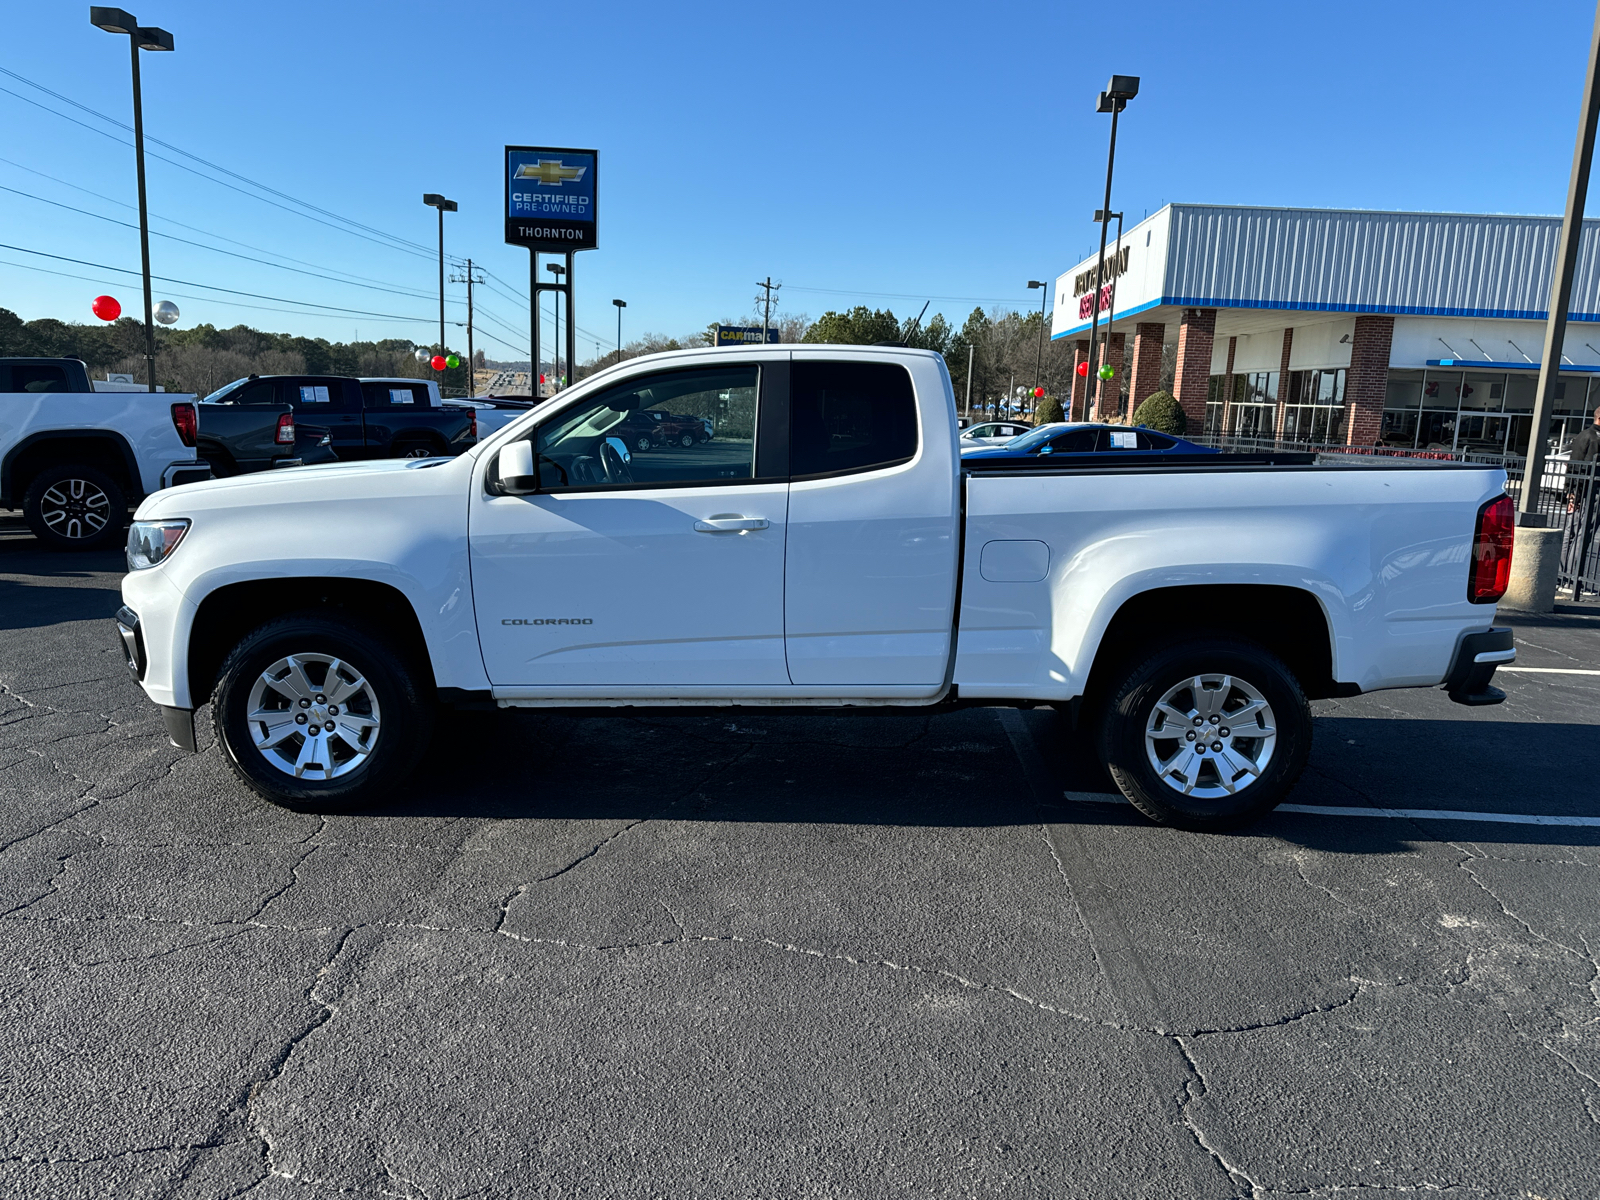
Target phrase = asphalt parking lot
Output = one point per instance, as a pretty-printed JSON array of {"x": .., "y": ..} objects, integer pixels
[{"x": 774, "y": 955}]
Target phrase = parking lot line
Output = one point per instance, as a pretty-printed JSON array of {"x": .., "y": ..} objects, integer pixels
[
  {"x": 1413, "y": 814},
  {"x": 1551, "y": 670}
]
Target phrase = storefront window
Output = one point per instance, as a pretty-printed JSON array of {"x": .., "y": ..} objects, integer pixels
[
  {"x": 1314, "y": 410},
  {"x": 1401, "y": 408}
]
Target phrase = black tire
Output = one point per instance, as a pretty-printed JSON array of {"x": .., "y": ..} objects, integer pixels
[
  {"x": 686, "y": 440},
  {"x": 404, "y": 715},
  {"x": 1240, "y": 798},
  {"x": 641, "y": 444},
  {"x": 415, "y": 450},
  {"x": 76, "y": 508}
]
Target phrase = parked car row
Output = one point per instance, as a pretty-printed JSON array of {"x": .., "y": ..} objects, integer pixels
[
  {"x": 1080, "y": 437},
  {"x": 74, "y": 457}
]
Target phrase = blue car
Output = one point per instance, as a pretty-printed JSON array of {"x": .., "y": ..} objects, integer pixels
[{"x": 1075, "y": 439}]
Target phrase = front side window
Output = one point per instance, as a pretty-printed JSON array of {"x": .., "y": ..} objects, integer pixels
[
  {"x": 677, "y": 427},
  {"x": 850, "y": 416}
]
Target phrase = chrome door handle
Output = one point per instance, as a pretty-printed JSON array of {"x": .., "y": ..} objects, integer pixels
[{"x": 731, "y": 524}]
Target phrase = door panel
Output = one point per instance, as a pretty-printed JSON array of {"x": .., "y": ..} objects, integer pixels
[
  {"x": 871, "y": 562},
  {"x": 621, "y": 588},
  {"x": 334, "y": 404}
]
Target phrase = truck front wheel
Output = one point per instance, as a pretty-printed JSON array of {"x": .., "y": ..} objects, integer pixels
[
  {"x": 316, "y": 714},
  {"x": 1207, "y": 735},
  {"x": 75, "y": 508}
]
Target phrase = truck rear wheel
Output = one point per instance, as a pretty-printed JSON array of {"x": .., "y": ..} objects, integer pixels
[
  {"x": 75, "y": 508},
  {"x": 316, "y": 714},
  {"x": 1207, "y": 735}
]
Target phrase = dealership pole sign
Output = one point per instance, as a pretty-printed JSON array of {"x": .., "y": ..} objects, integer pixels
[{"x": 550, "y": 199}]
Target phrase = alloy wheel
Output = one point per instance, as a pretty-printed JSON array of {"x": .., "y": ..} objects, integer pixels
[
  {"x": 1210, "y": 736},
  {"x": 75, "y": 508},
  {"x": 313, "y": 716}
]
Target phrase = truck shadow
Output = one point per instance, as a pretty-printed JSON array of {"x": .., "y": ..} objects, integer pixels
[
  {"x": 58, "y": 588},
  {"x": 957, "y": 769}
]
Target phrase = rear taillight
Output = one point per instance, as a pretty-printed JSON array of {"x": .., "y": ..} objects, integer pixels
[
  {"x": 472, "y": 427},
  {"x": 1491, "y": 551},
  {"x": 186, "y": 422},
  {"x": 286, "y": 429}
]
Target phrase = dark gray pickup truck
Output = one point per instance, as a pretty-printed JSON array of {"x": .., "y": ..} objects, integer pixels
[{"x": 388, "y": 418}]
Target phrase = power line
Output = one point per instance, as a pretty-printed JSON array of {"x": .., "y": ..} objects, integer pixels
[
  {"x": 194, "y": 228},
  {"x": 210, "y": 286},
  {"x": 417, "y": 246},
  {"x": 413, "y": 294},
  {"x": 904, "y": 295},
  {"x": 211, "y": 179}
]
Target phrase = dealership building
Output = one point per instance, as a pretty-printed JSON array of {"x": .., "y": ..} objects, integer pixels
[{"x": 1329, "y": 326}]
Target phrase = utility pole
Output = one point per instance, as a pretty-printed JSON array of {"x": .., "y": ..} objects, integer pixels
[
  {"x": 766, "y": 312},
  {"x": 472, "y": 363},
  {"x": 970, "y": 348}
]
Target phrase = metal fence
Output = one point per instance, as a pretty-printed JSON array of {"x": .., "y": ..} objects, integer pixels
[{"x": 1569, "y": 492}]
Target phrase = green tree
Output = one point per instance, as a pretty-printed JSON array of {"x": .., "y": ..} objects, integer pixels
[
  {"x": 861, "y": 326},
  {"x": 1161, "y": 411},
  {"x": 1049, "y": 410}
]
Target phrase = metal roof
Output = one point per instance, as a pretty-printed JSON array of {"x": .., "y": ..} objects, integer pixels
[
  {"x": 1433, "y": 264},
  {"x": 1332, "y": 260}
]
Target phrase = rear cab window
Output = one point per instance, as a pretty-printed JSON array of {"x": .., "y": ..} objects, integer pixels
[
  {"x": 850, "y": 416},
  {"x": 39, "y": 377}
]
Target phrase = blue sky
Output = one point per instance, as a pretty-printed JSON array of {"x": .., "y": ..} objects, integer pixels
[{"x": 850, "y": 150}]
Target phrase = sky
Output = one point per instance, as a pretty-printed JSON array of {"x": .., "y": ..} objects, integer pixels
[{"x": 867, "y": 153}]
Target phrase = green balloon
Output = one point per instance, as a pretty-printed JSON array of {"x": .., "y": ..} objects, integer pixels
[
  {"x": 452, "y": 361},
  {"x": 1105, "y": 372}
]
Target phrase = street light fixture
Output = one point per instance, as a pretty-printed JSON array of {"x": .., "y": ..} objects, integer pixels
[
  {"x": 1113, "y": 100},
  {"x": 621, "y": 304},
  {"x": 558, "y": 271},
  {"x": 1038, "y": 363},
  {"x": 115, "y": 20},
  {"x": 434, "y": 200}
]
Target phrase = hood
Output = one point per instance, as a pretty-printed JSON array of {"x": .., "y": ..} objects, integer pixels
[{"x": 326, "y": 480}]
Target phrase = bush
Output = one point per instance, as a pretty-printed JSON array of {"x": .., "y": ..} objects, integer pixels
[
  {"x": 1162, "y": 412},
  {"x": 1048, "y": 410}
]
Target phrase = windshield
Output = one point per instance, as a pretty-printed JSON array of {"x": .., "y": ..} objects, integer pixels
[
  {"x": 1034, "y": 437},
  {"x": 227, "y": 387}
]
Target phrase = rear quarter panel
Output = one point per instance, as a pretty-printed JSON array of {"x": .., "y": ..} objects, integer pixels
[{"x": 1384, "y": 551}]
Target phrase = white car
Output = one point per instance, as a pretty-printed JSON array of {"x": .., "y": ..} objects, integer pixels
[
  {"x": 994, "y": 433},
  {"x": 828, "y": 549}
]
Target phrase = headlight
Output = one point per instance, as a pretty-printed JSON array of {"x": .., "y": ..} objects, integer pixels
[{"x": 152, "y": 542}]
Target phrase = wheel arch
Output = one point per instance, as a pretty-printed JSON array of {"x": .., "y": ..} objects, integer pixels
[
  {"x": 228, "y": 613},
  {"x": 1281, "y": 618},
  {"x": 109, "y": 452}
]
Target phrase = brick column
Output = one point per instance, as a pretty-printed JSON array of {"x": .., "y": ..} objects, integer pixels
[
  {"x": 1367, "y": 380},
  {"x": 1196, "y": 333},
  {"x": 1283, "y": 382},
  {"x": 1112, "y": 388},
  {"x": 1080, "y": 383},
  {"x": 1147, "y": 340},
  {"x": 1227, "y": 387}
]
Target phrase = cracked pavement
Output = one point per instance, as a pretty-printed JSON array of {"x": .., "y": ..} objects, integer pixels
[{"x": 771, "y": 955}]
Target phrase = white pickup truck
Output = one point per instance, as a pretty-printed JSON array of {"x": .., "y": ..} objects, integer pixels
[{"x": 827, "y": 548}]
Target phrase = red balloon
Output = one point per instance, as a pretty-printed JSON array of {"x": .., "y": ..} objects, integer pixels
[
  {"x": 437, "y": 362},
  {"x": 1038, "y": 393},
  {"x": 1083, "y": 369},
  {"x": 106, "y": 308}
]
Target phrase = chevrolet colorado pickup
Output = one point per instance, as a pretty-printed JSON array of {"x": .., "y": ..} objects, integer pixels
[{"x": 828, "y": 548}]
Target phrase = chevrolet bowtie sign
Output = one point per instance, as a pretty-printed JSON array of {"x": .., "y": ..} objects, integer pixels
[{"x": 550, "y": 198}]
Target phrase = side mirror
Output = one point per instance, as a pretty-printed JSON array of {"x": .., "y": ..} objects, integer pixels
[
  {"x": 516, "y": 469},
  {"x": 1047, "y": 448}
]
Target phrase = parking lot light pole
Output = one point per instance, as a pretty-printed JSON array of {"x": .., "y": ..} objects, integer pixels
[
  {"x": 621, "y": 304},
  {"x": 115, "y": 20},
  {"x": 1113, "y": 100},
  {"x": 1555, "y": 330},
  {"x": 434, "y": 200},
  {"x": 1038, "y": 362}
]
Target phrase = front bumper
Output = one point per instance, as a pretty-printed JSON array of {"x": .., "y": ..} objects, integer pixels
[
  {"x": 130, "y": 636},
  {"x": 1477, "y": 657}
]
